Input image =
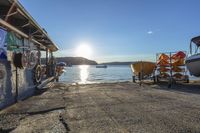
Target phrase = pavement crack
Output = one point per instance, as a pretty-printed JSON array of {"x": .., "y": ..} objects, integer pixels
[
  {"x": 62, "y": 120},
  {"x": 6, "y": 130},
  {"x": 116, "y": 98},
  {"x": 45, "y": 111}
]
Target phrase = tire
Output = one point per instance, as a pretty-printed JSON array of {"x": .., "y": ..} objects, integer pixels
[{"x": 37, "y": 74}]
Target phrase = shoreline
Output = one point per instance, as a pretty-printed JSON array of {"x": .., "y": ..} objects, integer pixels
[{"x": 128, "y": 81}]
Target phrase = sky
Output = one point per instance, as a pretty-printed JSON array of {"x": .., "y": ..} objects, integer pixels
[{"x": 118, "y": 30}]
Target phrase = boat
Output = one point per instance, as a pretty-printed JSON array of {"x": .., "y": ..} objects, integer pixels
[
  {"x": 61, "y": 64},
  {"x": 193, "y": 61},
  {"x": 143, "y": 68},
  {"x": 101, "y": 66}
]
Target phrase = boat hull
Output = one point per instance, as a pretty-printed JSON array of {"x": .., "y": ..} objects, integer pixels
[
  {"x": 193, "y": 65},
  {"x": 142, "y": 67}
]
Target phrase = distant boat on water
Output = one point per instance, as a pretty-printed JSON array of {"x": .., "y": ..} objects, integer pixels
[{"x": 101, "y": 66}]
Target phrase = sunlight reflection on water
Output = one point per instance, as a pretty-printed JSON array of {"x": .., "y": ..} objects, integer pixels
[
  {"x": 83, "y": 73},
  {"x": 89, "y": 74}
]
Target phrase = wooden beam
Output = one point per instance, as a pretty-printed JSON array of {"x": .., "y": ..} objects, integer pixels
[
  {"x": 22, "y": 13},
  {"x": 10, "y": 27},
  {"x": 10, "y": 10},
  {"x": 35, "y": 32},
  {"x": 25, "y": 25},
  {"x": 41, "y": 36},
  {"x": 11, "y": 14}
]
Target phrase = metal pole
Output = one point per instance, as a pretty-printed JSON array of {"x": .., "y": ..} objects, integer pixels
[{"x": 171, "y": 78}]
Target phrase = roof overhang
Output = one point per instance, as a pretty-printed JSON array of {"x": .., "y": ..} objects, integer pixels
[{"x": 14, "y": 17}]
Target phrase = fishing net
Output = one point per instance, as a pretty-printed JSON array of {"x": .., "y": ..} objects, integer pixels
[{"x": 13, "y": 42}]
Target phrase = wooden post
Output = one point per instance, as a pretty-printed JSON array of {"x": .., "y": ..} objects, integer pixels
[
  {"x": 133, "y": 78},
  {"x": 16, "y": 93},
  {"x": 171, "y": 75},
  {"x": 47, "y": 63}
]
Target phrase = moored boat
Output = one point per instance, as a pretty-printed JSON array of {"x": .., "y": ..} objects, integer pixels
[
  {"x": 193, "y": 61},
  {"x": 101, "y": 66}
]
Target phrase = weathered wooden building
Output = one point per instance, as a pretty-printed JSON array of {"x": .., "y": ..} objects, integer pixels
[{"x": 21, "y": 42}]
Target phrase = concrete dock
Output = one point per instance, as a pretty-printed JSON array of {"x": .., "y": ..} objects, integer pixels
[{"x": 115, "y": 107}]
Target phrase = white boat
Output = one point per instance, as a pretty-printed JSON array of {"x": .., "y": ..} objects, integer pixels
[{"x": 193, "y": 61}]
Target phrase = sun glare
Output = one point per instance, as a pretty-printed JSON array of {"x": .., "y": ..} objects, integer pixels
[{"x": 84, "y": 50}]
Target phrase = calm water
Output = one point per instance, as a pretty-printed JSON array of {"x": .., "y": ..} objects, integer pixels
[{"x": 85, "y": 74}]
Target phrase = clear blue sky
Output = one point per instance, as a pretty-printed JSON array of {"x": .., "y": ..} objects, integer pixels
[{"x": 118, "y": 30}]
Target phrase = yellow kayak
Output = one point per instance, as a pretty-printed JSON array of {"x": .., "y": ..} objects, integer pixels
[{"x": 143, "y": 67}]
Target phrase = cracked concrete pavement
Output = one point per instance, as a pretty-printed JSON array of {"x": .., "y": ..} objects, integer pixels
[{"x": 114, "y": 107}]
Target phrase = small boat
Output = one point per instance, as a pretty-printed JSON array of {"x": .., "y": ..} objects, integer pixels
[
  {"x": 61, "y": 64},
  {"x": 143, "y": 68},
  {"x": 101, "y": 66},
  {"x": 193, "y": 61}
]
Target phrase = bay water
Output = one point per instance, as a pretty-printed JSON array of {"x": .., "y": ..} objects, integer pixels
[{"x": 88, "y": 74}]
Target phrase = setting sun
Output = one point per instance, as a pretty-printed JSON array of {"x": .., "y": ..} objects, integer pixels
[{"x": 84, "y": 50}]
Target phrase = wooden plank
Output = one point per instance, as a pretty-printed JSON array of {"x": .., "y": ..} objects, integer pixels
[{"x": 45, "y": 82}]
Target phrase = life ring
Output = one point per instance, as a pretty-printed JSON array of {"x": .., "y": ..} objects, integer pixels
[
  {"x": 32, "y": 60},
  {"x": 37, "y": 74}
]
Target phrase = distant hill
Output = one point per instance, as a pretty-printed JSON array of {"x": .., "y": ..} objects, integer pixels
[
  {"x": 117, "y": 63},
  {"x": 74, "y": 61}
]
